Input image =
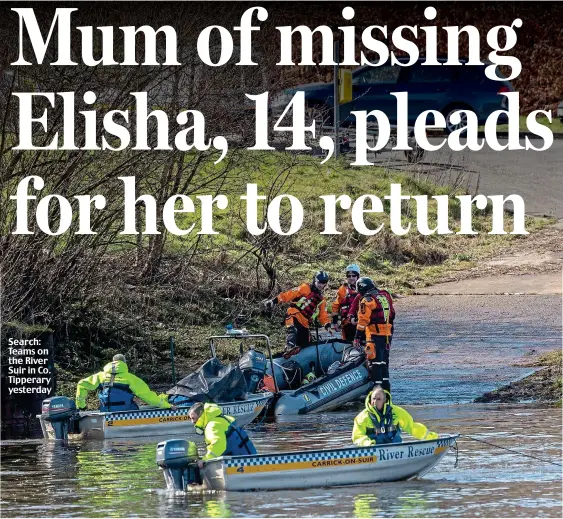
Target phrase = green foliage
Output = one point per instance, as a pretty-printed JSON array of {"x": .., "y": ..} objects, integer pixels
[
  {"x": 556, "y": 126},
  {"x": 25, "y": 329}
]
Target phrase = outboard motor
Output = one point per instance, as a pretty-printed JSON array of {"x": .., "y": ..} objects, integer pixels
[
  {"x": 176, "y": 459},
  {"x": 61, "y": 412},
  {"x": 253, "y": 366}
]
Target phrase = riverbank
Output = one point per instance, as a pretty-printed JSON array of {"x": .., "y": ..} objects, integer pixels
[
  {"x": 543, "y": 386},
  {"x": 134, "y": 296},
  {"x": 136, "y": 317},
  {"x": 476, "y": 308}
]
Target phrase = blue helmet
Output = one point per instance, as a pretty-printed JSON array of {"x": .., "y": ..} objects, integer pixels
[
  {"x": 353, "y": 268},
  {"x": 321, "y": 276}
]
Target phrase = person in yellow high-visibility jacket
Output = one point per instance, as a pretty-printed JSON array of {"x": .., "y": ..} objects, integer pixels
[
  {"x": 117, "y": 387},
  {"x": 222, "y": 435},
  {"x": 382, "y": 422}
]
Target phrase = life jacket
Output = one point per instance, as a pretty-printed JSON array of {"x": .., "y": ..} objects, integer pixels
[
  {"x": 384, "y": 313},
  {"x": 384, "y": 430},
  {"x": 238, "y": 441},
  {"x": 116, "y": 397},
  {"x": 307, "y": 305},
  {"x": 347, "y": 302}
]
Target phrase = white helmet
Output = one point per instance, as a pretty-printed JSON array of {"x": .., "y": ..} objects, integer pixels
[
  {"x": 351, "y": 354},
  {"x": 353, "y": 268}
]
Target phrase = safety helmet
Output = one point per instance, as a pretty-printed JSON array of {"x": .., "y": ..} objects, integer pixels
[
  {"x": 351, "y": 354},
  {"x": 353, "y": 268},
  {"x": 364, "y": 285},
  {"x": 321, "y": 276}
]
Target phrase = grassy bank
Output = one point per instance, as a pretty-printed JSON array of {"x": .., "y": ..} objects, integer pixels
[
  {"x": 542, "y": 386},
  {"x": 204, "y": 282},
  {"x": 556, "y": 126}
]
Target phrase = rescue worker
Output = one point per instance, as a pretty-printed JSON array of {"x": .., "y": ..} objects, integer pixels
[
  {"x": 353, "y": 311},
  {"x": 222, "y": 435},
  {"x": 343, "y": 302},
  {"x": 382, "y": 422},
  {"x": 375, "y": 325},
  {"x": 306, "y": 304},
  {"x": 117, "y": 387}
]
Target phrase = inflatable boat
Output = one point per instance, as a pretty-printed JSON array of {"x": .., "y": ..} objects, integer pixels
[
  {"x": 304, "y": 469},
  {"x": 234, "y": 387},
  {"x": 339, "y": 375}
]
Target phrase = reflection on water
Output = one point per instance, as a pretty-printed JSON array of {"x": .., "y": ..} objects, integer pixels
[
  {"x": 117, "y": 478},
  {"x": 96, "y": 469}
]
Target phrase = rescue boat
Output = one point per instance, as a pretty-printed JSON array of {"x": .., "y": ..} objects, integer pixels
[
  {"x": 59, "y": 419},
  {"x": 306, "y": 469},
  {"x": 339, "y": 376},
  {"x": 233, "y": 387}
]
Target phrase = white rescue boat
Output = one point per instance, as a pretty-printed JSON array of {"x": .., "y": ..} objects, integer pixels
[
  {"x": 326, "y": 468},
  {"x": 149, "y": 421}
]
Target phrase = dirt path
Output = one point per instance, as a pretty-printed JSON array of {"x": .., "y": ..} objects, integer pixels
[
  {"x": 535, "y": 176},
  {"x": 505, "y": 284}
]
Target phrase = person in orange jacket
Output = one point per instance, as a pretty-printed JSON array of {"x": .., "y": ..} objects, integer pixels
[
  {"x": 354, "y": 307},
  {"x": 375, "y": 325},
  {"x": 305, "y": 303},
  {"x": 343, "y": 303}
]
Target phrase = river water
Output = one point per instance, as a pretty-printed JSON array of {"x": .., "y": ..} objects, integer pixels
[
  {"x": 116, "y": 478},
  {"x": 438, "y": 366}
]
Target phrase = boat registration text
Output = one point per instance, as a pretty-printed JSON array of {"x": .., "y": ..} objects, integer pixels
[{"x": 340, "y": 382}]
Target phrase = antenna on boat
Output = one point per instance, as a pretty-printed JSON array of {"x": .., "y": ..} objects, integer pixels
[{"x": 171, "y": 340}]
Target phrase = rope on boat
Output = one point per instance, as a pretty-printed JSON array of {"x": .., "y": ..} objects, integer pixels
[
  {"x": 456, "y": 449},
  {"x": 509, "y": 450},
  {"x": 264, "y": 413}
]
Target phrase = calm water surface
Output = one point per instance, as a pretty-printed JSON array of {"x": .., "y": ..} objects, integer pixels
[{"x": 116, "y": 478}]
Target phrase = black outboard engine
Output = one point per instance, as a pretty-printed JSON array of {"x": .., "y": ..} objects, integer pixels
[
  {"x": 253, "y": 366},
  {"x": 177, "y": 460},
  {"x": 61, "y": 412}
]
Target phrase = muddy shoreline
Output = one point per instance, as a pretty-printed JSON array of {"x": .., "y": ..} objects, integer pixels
[{"x": 544, "y": 386}]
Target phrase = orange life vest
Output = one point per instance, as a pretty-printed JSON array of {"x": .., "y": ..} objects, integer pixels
[{"x": 307, "y": 305}]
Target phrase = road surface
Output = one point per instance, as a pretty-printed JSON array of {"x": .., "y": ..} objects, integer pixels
[{"x": 536, "y": 176}]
